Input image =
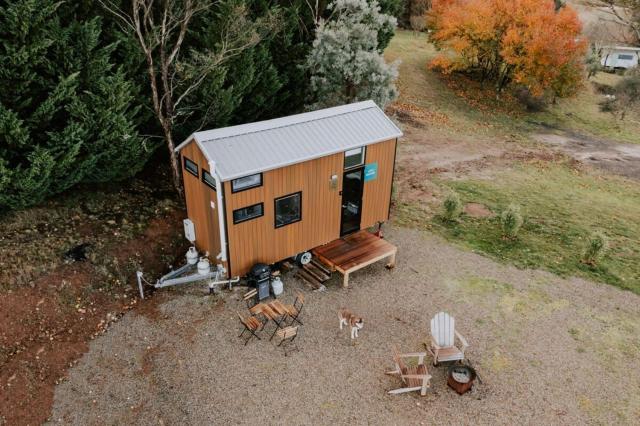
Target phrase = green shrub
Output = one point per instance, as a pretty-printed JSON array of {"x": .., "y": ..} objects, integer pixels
[
  {"x": 452, "y": 207},
  {"x": 626, "y": 96},
  {"x": 597, "y": 245},
  {"x": 511, "y": 221}
]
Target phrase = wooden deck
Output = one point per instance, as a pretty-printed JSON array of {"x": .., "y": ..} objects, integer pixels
[{"x": 355, "y": 251}]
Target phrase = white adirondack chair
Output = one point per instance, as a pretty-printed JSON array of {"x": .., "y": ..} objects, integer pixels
[{"x": 443, "y": 334}]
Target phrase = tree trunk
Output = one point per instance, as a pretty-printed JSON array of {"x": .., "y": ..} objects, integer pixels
[
  {"x": 350, "y": 91},
  {"x": 175, "y": 163},
  {"x": 164, "y": 121}
]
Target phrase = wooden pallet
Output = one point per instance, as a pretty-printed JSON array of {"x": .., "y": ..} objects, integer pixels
[
  {"x": 304, "y": 275},
  {"x": 322, "y": 266},
  {"x": 314, "y": 273},
  {"x": 318, "y": 273}
]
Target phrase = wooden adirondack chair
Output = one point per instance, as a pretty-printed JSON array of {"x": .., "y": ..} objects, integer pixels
[
  {"x": 415, "y": 378},
  {"x": 443, "y": 334}
]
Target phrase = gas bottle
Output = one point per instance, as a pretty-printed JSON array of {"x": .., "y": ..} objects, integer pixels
[
  {"x": 192, "y": 256},
  {"x": 203, "y": 266},
  {"x": 277, "y": 286}
]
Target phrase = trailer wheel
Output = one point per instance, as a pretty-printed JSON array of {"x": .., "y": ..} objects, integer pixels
[{"x": 303, "y": 258}]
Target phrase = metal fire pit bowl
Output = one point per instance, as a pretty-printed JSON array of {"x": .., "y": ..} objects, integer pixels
[{"x": 460, "y": 378}]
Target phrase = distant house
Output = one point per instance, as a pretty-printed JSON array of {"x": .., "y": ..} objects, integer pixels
[{"x": 620, "y": 57}]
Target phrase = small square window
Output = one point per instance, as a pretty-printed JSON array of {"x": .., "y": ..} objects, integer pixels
[
  {"x": 190, "y": 166},
  {"x": 354, "y": 157},
  {"x": 248, "y": 213},
  {"x": 288, "y": 209},
  {"x": 246, "y": 182},
  {"x": 209, "y": 180}
]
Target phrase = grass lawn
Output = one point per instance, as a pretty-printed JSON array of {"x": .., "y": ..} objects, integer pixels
[
  {"x": 562, "y": 207},
  {"x": 583, "y": 114},
  {"x": 473, "y": 107},
  {"x": 562, "y": 204}
]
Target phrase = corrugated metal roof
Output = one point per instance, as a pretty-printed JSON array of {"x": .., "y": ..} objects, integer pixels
[
  {"x": 632, "y": 48},
  {"x": 266, "y": 145}
]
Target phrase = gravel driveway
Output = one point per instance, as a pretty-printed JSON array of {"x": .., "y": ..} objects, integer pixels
[{"x": 548, "y": 350}]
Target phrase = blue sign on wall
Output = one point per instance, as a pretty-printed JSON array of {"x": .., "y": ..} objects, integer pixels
[{"x": 370, "y": 172}]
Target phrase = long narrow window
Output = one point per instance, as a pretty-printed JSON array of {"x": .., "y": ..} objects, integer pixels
[
  {"x": 354, "y": 157},
  {"x": 246, "y": 182},
  {"x": 288, "y": 209},
  {"x": 190, "y": 166},
  {"x": 209, "y": 180},
  {"x": 248, "y": 213}
]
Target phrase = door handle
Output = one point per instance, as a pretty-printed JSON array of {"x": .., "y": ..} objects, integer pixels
[{"x": 339, "y": 192}]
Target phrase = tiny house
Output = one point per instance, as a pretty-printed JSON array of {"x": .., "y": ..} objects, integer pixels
[
  {"x": 620, "y": 57},
  {"x": 266, "y": 191}
]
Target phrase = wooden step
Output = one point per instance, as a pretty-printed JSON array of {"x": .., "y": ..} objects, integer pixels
[
  {"x": 306, "y": 276},
  {"x": 318, "y": 273},
  {"x": 321, "y": 265}
]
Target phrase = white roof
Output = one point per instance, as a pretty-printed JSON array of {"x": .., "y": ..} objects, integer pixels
[
  {"x": 266, "y": 145},
  {"x": 632, "y": 48}
]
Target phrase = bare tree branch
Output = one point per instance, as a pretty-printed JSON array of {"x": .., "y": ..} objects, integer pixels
[
  {"x": 161, "y": 28},
  {"x": 627, "y": 14}
]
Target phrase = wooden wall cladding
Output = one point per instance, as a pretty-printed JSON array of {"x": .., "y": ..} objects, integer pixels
[
  {"x": 257, "y": 240},
  {"x": 377, "y": 193},
  {"x": 199, "y": 197}
]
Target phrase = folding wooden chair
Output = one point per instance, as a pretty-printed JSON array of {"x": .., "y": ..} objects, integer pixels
[
  {"x": 287, "y": 336},
  {"x": 295, "y": 310},
  {"x": 251, "y": 324},
  {"x": 251, "y": 298}
]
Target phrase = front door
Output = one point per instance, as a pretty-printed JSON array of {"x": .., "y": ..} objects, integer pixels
[{"x": 352, "y": 185}]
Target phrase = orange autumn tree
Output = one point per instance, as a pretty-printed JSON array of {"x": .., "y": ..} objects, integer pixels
[{"x": 526, "y": 42}]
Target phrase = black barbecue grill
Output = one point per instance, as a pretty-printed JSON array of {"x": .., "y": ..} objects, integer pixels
[{"x": 260, "y": 278}]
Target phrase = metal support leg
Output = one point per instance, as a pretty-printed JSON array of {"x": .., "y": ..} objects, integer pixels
[{"x": 139, "y": 276}]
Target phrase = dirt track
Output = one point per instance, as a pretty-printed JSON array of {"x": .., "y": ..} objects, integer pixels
[
  {"x": 622, "y": 159},
  {"x": 548, "y": 350}
]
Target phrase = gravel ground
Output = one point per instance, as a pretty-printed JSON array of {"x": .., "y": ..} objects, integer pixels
[{"x": 548, "y": 350}]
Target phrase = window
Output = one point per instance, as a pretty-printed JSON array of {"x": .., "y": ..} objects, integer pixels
[
  {"x": 248, "y": 213},
  {"x": 209, "y": 180},
  {"x": 354, "y": 157},
  {"x": 288, "y": 209},
  {"x": 625, "y": 57},
  {"x": 246, "y": 182},
  {"x": 190, "y": 166}
]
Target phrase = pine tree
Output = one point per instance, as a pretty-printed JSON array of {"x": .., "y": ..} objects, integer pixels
[
  {"x": 345, "y": 63},
  {"x": 265, "y": 81},
  {"x": 66, "y": 112}
]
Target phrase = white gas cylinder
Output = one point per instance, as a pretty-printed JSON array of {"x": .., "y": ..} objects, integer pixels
[
  {"x": 203, "y": 266},
  {"x": 192, "y": 256},
  {"x": 277, "y": 286}
]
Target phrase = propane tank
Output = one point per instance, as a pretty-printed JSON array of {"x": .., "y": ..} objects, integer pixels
[
  {"x": 203, "y": 266},
  {"x": 192, "y": 256},
  {"x": 277, "y": 286}
]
